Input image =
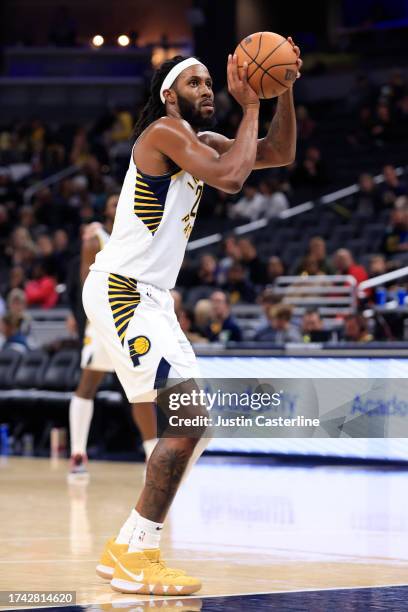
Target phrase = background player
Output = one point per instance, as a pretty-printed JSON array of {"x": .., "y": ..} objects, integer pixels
[
  {"x": 126, "y": 294},
  {"x": 95, "y": 362}
]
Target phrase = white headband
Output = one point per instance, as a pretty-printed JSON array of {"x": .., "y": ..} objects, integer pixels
[{"x": 174, "y": 72}]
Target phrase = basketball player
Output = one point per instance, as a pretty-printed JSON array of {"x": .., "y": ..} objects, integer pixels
[
  {"x": 127, "y": 293},
  {"x": 95, "y": 362}
]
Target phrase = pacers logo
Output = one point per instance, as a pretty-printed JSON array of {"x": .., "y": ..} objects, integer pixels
[{"x": 138, "y": 347}]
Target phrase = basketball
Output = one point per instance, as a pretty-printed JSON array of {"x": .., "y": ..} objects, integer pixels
[{"x": 271, "y": 63}]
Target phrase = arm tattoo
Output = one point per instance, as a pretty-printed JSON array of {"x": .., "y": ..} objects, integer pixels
[{"x": 282, "y": 131}]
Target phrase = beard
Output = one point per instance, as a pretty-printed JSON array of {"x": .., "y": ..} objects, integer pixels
[{"x": 193, "y": 116}]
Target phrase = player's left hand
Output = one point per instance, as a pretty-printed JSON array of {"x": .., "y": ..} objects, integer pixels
[
  {"x": 299, "y": 62},
  {"x": 91, "y": 230}
]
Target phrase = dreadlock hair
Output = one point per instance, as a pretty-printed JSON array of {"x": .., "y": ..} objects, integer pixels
[{"x": 154, "y": 107}]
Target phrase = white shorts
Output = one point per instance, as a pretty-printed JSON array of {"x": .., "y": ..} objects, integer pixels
[
  {"x": 138, "y": 328},
  {"x": 94, "y": 355}
]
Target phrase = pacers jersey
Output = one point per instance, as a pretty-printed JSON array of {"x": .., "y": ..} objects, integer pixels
[{"x": 154, "y": 219}]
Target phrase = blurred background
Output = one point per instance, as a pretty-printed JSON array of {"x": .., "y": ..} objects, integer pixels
[{"x": 306, "y": 270}]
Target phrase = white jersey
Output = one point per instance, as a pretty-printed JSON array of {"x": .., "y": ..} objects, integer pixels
[{"x": 154, "y": 219}]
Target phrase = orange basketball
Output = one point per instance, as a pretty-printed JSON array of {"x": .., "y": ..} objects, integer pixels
[{"x": 271, "y": 63}]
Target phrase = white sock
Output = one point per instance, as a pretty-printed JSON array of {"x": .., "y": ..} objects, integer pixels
[
  {"x": 80, "y": 416},
  {"x": 148, "y": 447},
  {"x": 128, "y": 528},
  {"x": 146, "y": 535}
]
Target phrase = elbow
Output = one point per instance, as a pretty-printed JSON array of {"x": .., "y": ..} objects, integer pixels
[
  {"x": 232, "y": 186},
  {"x": 288, "y": 158},
  {"x": 288, "y": 161}
]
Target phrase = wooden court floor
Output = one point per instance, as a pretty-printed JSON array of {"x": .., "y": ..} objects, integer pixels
[{"x": 242, "y": 528}]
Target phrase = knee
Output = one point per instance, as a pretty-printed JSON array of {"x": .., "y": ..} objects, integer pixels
[{"x": 176, "y": 450}]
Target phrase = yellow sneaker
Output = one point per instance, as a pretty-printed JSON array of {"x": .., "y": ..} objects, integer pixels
[
  {"x": 145, "y": 573},
  {"x": 110, "y": 555}
]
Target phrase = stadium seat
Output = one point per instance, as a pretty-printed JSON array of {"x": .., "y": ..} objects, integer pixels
[
  {"x": 343, "y": 234},
  {"x": 108, "y": 383},
  {"x": 30, "y": 371},
  {"x": 9, "y": 361},
  {"x": 292, "y": 253},
  {"x": 60, "y": 373},
  {"x": 360, "y": 246}
]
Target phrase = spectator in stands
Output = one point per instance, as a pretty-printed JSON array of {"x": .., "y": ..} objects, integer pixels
[
  {"x": 8, "y": 190},
  {"x": 393, "y": 186},
  {"x": 401, "y": 202},
  {"x": 309, "y": 266},
  {"x": 27, "y": 219},
  {"x": 61, "y": 253},
  {"x": 5, "y": 224},
  {"x": 250, "y": 205},
  {"x": 396, "y": 87},
  {"x": 122, "y": 128},
  {"x": 402, "y": 117},
  {"x": 311, "y": 172},
  {"x": 22, "y": 249},
  {"x": 361, "y": 137},
  {"x": 222, "y": 204},
  {"x": 80, "y": 147},
  {"x": 361, "y": 94},
  {"x": 17, "y": 305},
  {"x": 317, "y": 249},
  {"x": 274, "y": 269},
  {"x": 41, "y": 290},
  {"x": 45, "y": 247},
  {"x": 344, "y": 264},
  {"x": 44, "y": 208},
  {"x": 367, "y": 200},
  {"x": 14, "y": 339},
  {"x": 248, "y": 256},
  {"x": 202, "y": 315},
  {"x": 274, "y": 199},
  {"x": 305, "y": 125},
  {"x": 232, "y": 253},
  {"x": 395, "y": 240},
  {"x": 17, "y": 278},
  {"x": 356, "y": 329},
  {"x": 238, "y": 287},
  {"x": 206, "y": 273},
  {"x": 383, "y": 130},
  {"x": 280, "y": 328},
  {"x": 203, "y": 280},
  {"x": 187, "y": 324},
  {"x": 268, "y": 298},
  {"x": 222, "y": 327},
  {"x": 311, "y": 323},
  {"x": 377, "y": 266}
]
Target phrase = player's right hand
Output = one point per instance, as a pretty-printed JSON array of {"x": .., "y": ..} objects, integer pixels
[{"x": 238, "y": 87}]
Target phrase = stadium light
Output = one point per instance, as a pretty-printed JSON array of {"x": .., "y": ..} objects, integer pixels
[
  {"x": 98, "y": 40},
  {"x": 123, "y": 40}
]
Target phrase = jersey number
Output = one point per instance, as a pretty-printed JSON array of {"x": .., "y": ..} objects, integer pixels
[{"x": 188, "y": 220}]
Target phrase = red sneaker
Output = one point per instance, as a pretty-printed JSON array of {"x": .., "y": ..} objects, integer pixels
[{"x": 78, "y": 469}]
